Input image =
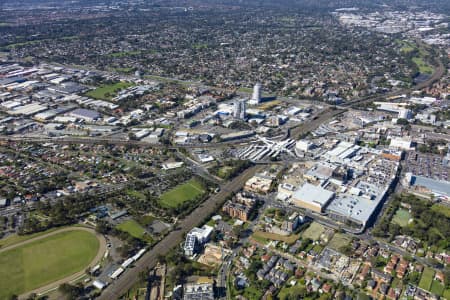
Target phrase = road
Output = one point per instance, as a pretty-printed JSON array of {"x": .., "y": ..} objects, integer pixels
[{"x": 174, "y": 238}]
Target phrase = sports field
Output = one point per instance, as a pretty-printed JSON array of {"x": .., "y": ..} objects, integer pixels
[
  {"x": 401, "y": 217},
  {"x": 43, "y": 261},
  {"x": 182, "y": 193},
  {"x": 108, "y": 91}
]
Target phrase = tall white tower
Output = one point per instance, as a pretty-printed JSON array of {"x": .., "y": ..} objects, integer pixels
[{"x": 256, "y": 97}]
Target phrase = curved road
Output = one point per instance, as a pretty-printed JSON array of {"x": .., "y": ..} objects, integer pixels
[{"x": 55, "y": 284}]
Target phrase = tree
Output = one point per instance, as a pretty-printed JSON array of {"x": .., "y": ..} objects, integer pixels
[
  {"x": 71, "y": 291},
  {"x": 102, "y": 227}
]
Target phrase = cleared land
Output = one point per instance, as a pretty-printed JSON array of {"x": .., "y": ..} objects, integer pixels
[
  {"x": 338, "y": 241},
  {"x": 108, "y": 91},
  {"x": 134, "y": 229},
  {"x": 269, "y": 105},
  {"x": 401, "y": 217},
  {"x": 314, "y": 231},
  {"x": 426, "y": 279},
  {"x": 263, "y": 237},
  {"x": 31, "y": 265},
  {"x": 184, "y": 192}
]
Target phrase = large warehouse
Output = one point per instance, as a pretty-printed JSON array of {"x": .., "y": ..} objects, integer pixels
[{"x": 312, "y": 197}]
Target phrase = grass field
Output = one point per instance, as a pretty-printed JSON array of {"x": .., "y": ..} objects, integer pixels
[
  {"x": 314, "y": 231},
  {"x": 14, "y": 239},
  {"x": 108, "y": 91},
  {"x": 224, "y": 171},
  {"x": 401, "y": 217},
  {"x": 184, "y": 192},
  {"x": 133, "y": 228},
  {"x": 43, "y": 261},
  {"x": 422, "y": 65},
  {"x": 265, "y": 236},
  {"x": 437, "y": 288},
  {"x": 407, "y": 47},
  {"x": 287, "y": 292},
  {"x": 146, "y": 220},
  {"x": 338, "y": 241},
  {"x": 446, "y": 294},
  {"x": 426, "y": 279}
]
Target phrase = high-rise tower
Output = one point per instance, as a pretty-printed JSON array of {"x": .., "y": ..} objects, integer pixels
[{"x": 256, "y": 97}]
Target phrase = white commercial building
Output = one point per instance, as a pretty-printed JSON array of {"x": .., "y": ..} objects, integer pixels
[
  {"x": 401, "y": 143},
  {"x": 196, "y": 238}
]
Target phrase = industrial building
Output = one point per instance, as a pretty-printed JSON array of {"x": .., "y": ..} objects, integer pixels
[{"x": 85, "y": 114}]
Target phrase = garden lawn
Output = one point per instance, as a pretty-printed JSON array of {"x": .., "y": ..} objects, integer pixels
[
  {"x": 292, "y": 291},
  {"x": 446, "y": 294},
  {"x": 182, "y": 193},
  {"x": 108, "y": 91},
  {"x": 437, "y": 288},
  {"x": 426, "y": 279},
  {"x": 44, "y": 261},
  {"x": 401, "y": 217},
  {"x": 252, "y": 292}
]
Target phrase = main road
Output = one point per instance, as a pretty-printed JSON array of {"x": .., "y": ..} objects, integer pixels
[{"x": 174, "y": 238}]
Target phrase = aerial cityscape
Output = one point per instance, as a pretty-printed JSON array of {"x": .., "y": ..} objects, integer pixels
[{"x": 225, "y": 149}]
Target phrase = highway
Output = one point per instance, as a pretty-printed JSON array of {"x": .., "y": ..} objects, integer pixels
[{"x": 174, "y": 238}]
